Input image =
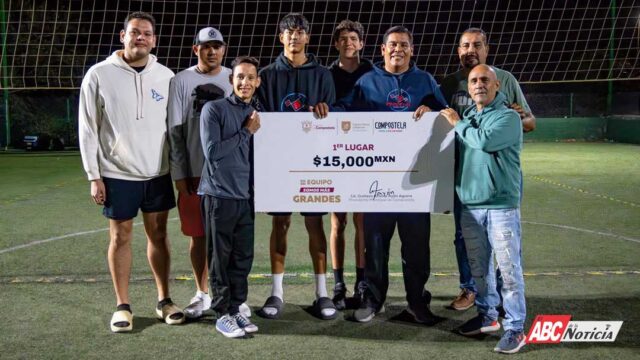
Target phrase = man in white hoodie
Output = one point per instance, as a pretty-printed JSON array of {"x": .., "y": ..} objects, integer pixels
[{"x": 124, "y": 147}]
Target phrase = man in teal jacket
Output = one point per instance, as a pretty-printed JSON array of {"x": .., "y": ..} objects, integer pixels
[
  {"x": 473, "y": 49},
  {"x": 488, "y": 185}
]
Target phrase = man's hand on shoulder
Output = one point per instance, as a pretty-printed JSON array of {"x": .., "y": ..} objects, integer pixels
[
  {"x": 528, "y": 120},
  {"x": 98, "y": 193},
  {"x": 321, "y": 110},
  {"x": 253, "y": 122}
]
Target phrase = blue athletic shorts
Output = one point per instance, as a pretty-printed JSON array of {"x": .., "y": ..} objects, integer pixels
[
  {"x": 125, "y": 197},
  {"x": 302, "y": 213}
]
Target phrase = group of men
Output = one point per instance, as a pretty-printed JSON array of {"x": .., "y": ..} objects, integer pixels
[{"x": 196, "y": 128}]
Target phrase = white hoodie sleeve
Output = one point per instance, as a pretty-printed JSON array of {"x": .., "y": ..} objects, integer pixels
[{"x": 88, "y": 124}]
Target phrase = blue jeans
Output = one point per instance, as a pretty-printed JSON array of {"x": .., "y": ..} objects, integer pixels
[
  {"x": 498, "y": 231},
  {"x": 466, "y": 280}
]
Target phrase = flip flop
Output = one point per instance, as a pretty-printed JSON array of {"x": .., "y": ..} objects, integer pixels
[
  {"x": 170, "y": 314},
  {"x": 322, "y": 304},
  {"x": 121, "y": 321},
  {"x": 272, "y": 302}
]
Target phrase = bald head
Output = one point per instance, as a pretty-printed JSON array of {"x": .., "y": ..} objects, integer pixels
[{"x": 483, "y": 85}]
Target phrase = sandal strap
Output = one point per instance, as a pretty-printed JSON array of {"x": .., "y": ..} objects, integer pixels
[
  {"x": 274, "y": 302},
  {"x": 325, "y": 303}
]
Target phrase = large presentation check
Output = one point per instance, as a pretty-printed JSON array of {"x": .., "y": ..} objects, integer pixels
[{"x": 353, "y": 162}]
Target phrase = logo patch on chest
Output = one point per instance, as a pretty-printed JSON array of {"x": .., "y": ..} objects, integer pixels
[
  {"x": 156, "y": 95},
  {"x": 294, "y": 102},
  {"x": 398, "y": 100}
]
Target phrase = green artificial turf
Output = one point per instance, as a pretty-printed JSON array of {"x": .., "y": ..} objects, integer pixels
[{"x": 581, "y": 241}]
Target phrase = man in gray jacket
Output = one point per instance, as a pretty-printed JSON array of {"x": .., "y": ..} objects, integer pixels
[
  {"x": 227, "y": 126},
  {"x": 190, "y": 89}
]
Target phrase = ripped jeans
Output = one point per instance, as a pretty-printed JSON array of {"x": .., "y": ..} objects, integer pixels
[{"x": 498, "y": 230}]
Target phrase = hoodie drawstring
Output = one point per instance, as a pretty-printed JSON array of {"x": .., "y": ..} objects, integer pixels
[
  {"x": 139, "y": 96},
  {"x": 135, "y": 84}
]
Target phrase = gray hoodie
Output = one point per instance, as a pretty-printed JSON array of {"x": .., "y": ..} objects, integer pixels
[{"x": 188, "y": 93}]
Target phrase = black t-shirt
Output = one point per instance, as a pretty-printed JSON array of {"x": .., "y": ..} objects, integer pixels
[{"x": 344, "y": 80}]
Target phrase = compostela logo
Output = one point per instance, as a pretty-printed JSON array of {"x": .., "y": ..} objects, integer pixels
[{"x": 307, "y": 125}]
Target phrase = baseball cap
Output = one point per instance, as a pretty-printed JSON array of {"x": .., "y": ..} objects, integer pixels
[{"x": 208, "y": 34}]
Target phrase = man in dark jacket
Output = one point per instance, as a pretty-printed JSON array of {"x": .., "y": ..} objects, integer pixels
[
  {"x": 297, "y": 82},
  {"x": 396, "y": 85},
  {"x": 226, "y": 187}
]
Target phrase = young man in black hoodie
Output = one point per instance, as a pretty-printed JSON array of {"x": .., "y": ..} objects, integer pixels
[
  {"x": 226, "y": 187},
  {"x": 348, "y": 39},
  {"x": 296, "y": 82}
]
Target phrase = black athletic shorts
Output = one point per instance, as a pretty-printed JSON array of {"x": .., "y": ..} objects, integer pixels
[
  {"x": 302, "y": 213},
  {"x": 125, "y": 197}
]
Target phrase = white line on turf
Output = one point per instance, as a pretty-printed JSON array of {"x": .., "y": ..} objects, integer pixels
[
  {"x": 99, "y": 278},
  {"x": 566, "y": 227},
  {"x": 61, "y": 237}
]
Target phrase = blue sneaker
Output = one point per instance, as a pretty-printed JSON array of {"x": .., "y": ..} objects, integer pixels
[
  {"x": 227, "y": 326},
  {"x": 511, "y": 342},
  {"x": 244, "y": 323},
  {"x": 479, "y": 325}
]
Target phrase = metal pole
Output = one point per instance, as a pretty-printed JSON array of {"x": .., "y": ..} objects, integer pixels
[
  {"x": 571, "y": 105},
  {"x": 68, "y": 121},
  {"x": 611, "y": 57},
  {"x": 5, "y": 74}
]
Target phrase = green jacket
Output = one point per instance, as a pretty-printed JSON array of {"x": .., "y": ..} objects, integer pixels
[{"x": 489, "y": 141}]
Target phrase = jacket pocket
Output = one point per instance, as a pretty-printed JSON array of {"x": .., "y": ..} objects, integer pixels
[{"x": 477, "y": 185}]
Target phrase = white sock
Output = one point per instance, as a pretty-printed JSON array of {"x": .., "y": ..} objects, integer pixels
[
  {"x": 201, "y": 294},
  {"x": 276, "y": 286},
  {"x": 276, "y": 290},
  {"x": 321, "y": 286},
  {"x": 321, "y": 291}
]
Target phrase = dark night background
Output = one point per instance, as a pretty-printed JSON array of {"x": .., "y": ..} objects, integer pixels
[{"x": 563, "y": 52}]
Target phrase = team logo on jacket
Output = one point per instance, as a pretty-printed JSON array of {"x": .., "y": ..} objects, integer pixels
[
  {"x": 293, "y": 102},
  {"x": 398, "y": 100},
  {"x": 156, "y": 95}
]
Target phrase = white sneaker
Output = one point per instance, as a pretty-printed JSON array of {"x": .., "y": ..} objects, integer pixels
[
  {"x": 228, "y": 327},
  {"x": 245, "y": 324},
  {"x": 198, "y": 305},
  {"x": 244, "y": 309}
]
